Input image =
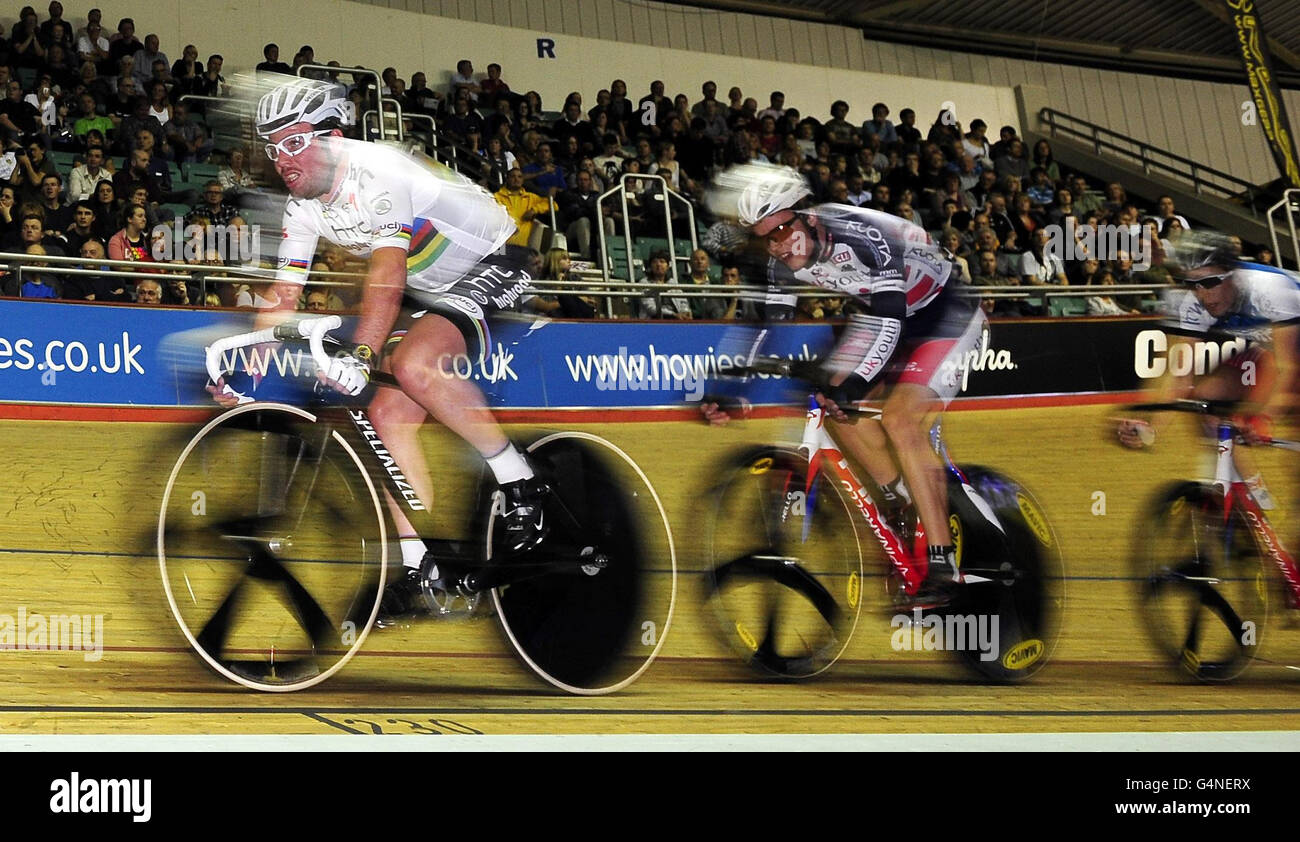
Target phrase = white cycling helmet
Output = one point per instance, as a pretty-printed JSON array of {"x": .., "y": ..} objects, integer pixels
[
  {"x": 303, "y": 101},
  {"x": 768, "y": 190}
]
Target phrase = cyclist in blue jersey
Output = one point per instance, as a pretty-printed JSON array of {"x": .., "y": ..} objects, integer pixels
[
  {"x": 906, "y": 347},
  {"x": 435, "y": 278}
]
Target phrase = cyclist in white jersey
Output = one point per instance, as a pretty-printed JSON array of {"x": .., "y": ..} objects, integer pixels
[
  {"x": 911, "y": 340},
  {"x": 1224, "y": 299},
  {"x": 430, "y": 288}
]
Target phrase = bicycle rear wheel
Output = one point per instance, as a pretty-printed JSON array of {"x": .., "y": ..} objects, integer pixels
[
  {"x": 595, "y": 620},
  {"x": 1014, "y": 608},
  {"x": 271, "y": 545},
  {"x": 784, "y": 565},
  {"x": 1202, "y": 582}
]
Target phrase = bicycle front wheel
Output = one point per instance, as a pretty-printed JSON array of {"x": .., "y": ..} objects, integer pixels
[
  {"x": 596, "y": 620},
  {"x": 784, "y": 567},
  {"x": 271, "y": 545},
  {"x": 1202, "y": 582}
]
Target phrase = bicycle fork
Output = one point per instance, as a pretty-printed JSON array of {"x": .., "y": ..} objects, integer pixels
[{"x": 1229, "y": 481}]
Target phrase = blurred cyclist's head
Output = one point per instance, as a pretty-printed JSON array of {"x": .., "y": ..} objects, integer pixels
[
  {"x": 1204, "y": 261},
  {"x": 767, "y": 207},
  {"x": 299, "y": 120}
]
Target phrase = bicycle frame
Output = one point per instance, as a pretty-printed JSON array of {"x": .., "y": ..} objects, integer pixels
[
  {"x": 821, "y": 449},
  {"x": 1236, "y": 493}
]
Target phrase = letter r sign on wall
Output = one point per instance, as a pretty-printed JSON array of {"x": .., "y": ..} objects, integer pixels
[{"x": 546, "y": 48}]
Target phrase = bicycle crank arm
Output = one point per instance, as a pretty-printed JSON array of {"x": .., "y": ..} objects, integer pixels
[{"x": 588, "y": 561}]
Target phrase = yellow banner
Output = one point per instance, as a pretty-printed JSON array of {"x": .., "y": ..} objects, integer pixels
[{"x": 1263, "y": 87}]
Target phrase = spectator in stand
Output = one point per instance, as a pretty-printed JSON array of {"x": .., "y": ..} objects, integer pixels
[
  {"x": 543, "y": 176},
  {"x": 1085, "y": 201},
  {"x": 1041, "y": 191},
  {"x": 1106, "y": 305},
  {"x": 271, "y": 62},
  {"x": 1026, "y": 221},
  {"x": 58, "y": 216},
  {"x": 92, "y": 46},
  {"x": 775, "y": 108},
  {"x": 573, "y": 124},
  {"x": 82, "y": 227},
  {"x": 463, "y": 80},
  {"x": 1043, "y": 158},
  {"x": 1006, "y": 136},
  {"x": 990, "y": 274},
  {"x": 842, "y": 134},
  {"x": 881, "y": 197},
  {"x": 123, "y": 42},
  {"x": 186, "y": 136},
  {"x": 1013, "y": 163},
  {"x": 47, "y": 27},
  {"x": 214, "y": 207},
  {"x": 94, "y": 287},
  {"x": 908, "y": 134},
  {"x": 578, "y": 207},
  {"x": 26, "y": 48},
  {"x": 91, "y": 119},
  {"x": 136, "y": 122},
  {"x": 880, "y": 126},
  {"x": 908, "y": 176},
  {"x": 662, "y": 306},
  {"x": 422, "y": 98},
  {"x": 1264, "y": 256},
  {"x": 610, "y": 164},
  {"x": 464, "y": 119},
  {"x": 186, "y": 70},
  {"x": 499, "y": 162},
  {"x": 131, "y": 242},
  {"x": 136, "y": 171},
  {"x": 18, "y": 118},
  {"x": 1039, "y": 267},
  {"x": 9, "y": 218},
  {"x": 856, "y": 192},
  {"x": 178, "y": 293},
  {"x": 493, "y": 86},
  {"x": 1165, "y": 204},
  {"x": 62, "y": 67},
  {"x": 144, "y": 60},
  {"x": 710, "y": 91},
  {"x": 704, "y": 308},
  {"x": 39, "y": 284},
  {"x": 211, "y": 82},
  {"x": 148, "y": 291},
  {"x": 666, "y": 166},
  {"x": 1063, "y": 208},
  {"x": 975, "y": 144},
  {"x": 724, "y": 241},
  {"x": 1116, "y": 198},
  {"x": 43, "y": 100},
  {"x": 31, "y": 231},
  {"x": 29, "y": 175},
  {"x": 524, "y": 208}
]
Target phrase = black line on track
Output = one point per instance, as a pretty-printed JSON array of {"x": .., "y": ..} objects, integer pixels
[
  {"x": 311, "y": 711},
  {"x": 345, "y": 729}
]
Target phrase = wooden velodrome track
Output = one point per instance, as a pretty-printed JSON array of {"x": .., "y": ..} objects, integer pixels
[{"x": 79, "y": 504}]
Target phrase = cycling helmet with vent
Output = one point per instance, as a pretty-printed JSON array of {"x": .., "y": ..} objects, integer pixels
[
  {"x": 1198, "y": 249},
  {"x": 770, "y": 190},
  {"x": 303, "y": 101}
]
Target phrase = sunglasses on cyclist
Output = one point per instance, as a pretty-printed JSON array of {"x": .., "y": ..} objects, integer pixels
[
  {"x": 294, "y": 144},
  {"x": 1208, "y": 282}
]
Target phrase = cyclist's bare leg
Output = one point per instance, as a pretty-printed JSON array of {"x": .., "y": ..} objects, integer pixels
[
  {"x": 866, "y": 444},
  {"x": 424, "y": 365},
  {"x": 397, "y": 419},
  {"x": 906, "y": 417},
  {"x": 1224, "y": 384}
]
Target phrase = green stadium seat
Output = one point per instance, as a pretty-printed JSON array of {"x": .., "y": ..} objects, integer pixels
[{"x": 1063, "y": 306}]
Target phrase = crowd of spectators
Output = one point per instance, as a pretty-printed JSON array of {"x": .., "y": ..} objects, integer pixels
[{"x": 114, "y": 101}]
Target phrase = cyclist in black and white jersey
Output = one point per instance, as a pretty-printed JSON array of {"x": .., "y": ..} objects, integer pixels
[
  {"x": 1221, "y": 297},
  {"x": 909, "y": 342},
  {"x": 433, "y": 281}
]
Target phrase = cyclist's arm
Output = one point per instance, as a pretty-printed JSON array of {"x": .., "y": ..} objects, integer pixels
[{"x": 381, "y": 296}]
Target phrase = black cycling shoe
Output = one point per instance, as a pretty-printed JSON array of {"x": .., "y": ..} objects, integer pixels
[
  {"x": 403, "y": 600},
  {"x": 902, "y": 521},
  {"x": 523, "y": 518}
]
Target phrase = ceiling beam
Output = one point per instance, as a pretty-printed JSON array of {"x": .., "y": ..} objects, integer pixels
[{"x": 1276, "y": 47}]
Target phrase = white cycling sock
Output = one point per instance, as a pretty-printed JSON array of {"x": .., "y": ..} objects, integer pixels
[
  {"x": 509, "y": 465},
  {"x": 413, "y": 551}
]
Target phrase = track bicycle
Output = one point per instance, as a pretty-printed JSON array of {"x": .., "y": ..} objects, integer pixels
[
  {"x": 791, "y": 529},
  {"x": 1202, "y": 556},
  {"x": 273, "y": 543}
]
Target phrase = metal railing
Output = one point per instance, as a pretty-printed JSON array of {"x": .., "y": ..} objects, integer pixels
[
  {"x": 1203, "y": 179},
  {"x": 668, "y": 195},
  {"x": 202, "y": 275},
  {"x": 1291, "y": 202}
]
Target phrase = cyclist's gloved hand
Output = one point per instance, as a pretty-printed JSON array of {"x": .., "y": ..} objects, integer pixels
[
  {"x": 718, "y": 410},
  {"x": 224, "y": 395},
  {"x": 346, "y": 374},
  {"x": 1136, "y": 433}
]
